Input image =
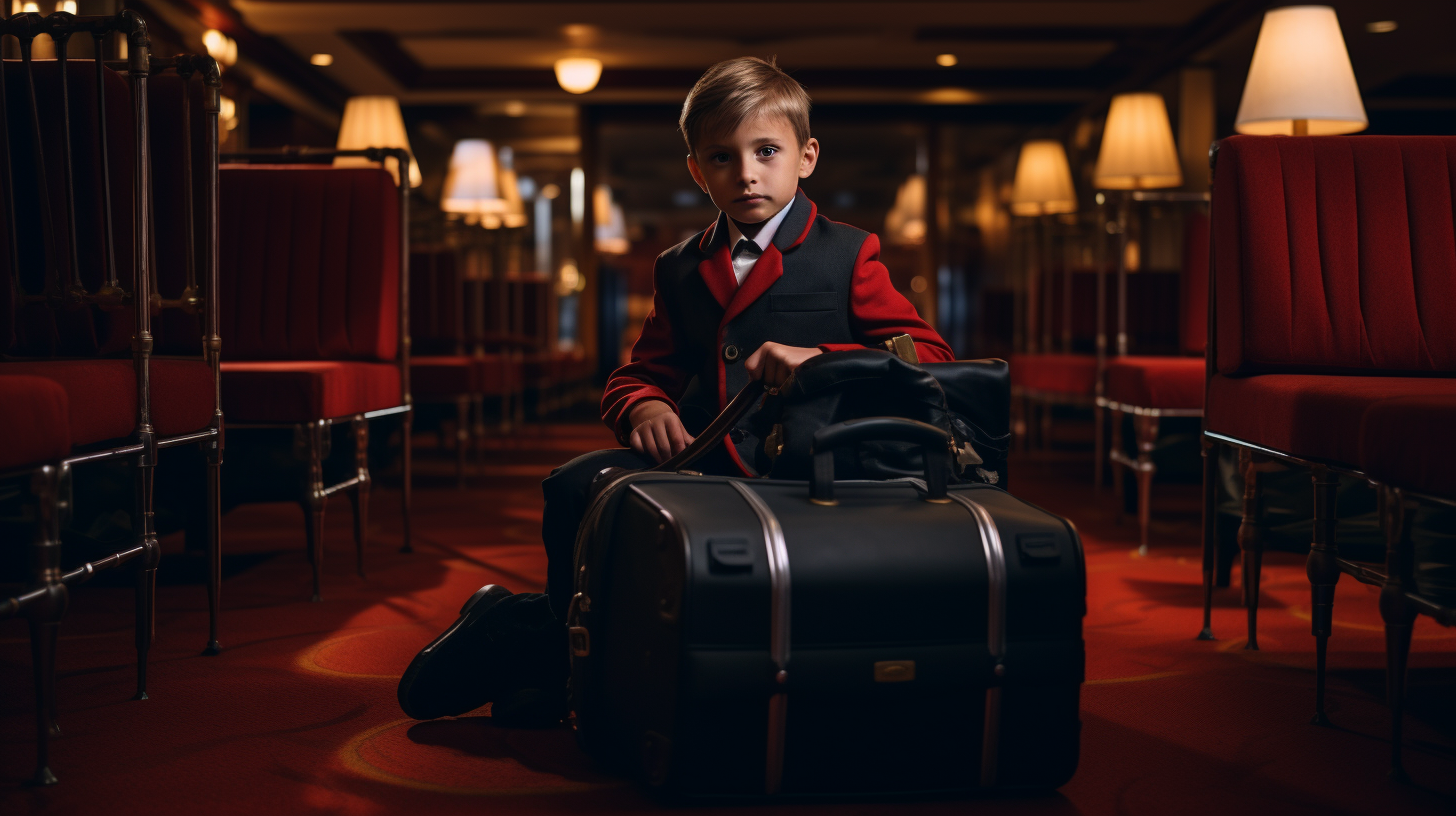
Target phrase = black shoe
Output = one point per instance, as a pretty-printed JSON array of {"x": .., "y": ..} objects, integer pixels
[{"x": 452, "y": 675}]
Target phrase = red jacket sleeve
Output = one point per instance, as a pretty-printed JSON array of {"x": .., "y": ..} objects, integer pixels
[
  {"x": 656, "y": 371},
  {"x": 878, "y": 311}
]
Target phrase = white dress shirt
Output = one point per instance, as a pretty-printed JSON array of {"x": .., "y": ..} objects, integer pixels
[{"x": 746, "y": 251}]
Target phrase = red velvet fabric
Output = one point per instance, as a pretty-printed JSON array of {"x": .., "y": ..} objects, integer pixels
[
  {"x": 1156, "y": 382},
  {"x": 443, "y": 377},
  {"x": 1073, "y": 374},
  {"x": 499, "y": 374},
  {"x": 310, "y": 263},
  {"x": 1193, "y": 292},
  {"x": 302, "y": 391},
  {"x": 1315, "y": 416},
  {"x": 102, "y": 395},
  {"x": 437, "y": 315},
  {"x": 1408, "y": 442},
  {"x": 33, "y": 412},
  {"x": 1335, "y": 253}
]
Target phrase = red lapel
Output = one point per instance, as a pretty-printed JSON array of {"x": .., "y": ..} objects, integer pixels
[
  {"x": 717, "y": 272},
  {"x": 769, "y": 268}
]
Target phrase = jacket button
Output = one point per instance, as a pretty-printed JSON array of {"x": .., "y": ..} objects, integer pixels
[
  {"x": 730, "y": 352},
  {"x": 737, "y": 435}
]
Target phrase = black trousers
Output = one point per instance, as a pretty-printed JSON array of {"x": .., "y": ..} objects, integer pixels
[{"x": 566, "y": 499}]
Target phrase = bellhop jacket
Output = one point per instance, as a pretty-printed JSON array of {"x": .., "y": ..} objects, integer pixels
[{"x": 819, "y": 284}]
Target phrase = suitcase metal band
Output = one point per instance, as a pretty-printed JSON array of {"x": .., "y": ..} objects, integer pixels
[
  {"x": 779, "y": 623},
  {"x": 995, "y": 631}
]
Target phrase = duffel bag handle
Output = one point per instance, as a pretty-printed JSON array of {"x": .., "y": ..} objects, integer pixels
[{"x": 935, "y": 443}]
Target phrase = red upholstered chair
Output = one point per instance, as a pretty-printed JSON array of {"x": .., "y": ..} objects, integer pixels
[
  {"x": 108, "y": 340},
  {"x": 316, "y": 315},
  {"x": 1150, "y": 388},
  {"x": 441, "y": 373},
  {"x": 1333, "y": 272}
]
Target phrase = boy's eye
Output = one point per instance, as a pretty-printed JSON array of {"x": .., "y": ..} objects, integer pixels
[
  {"x": 719, "y": 158},
  {"x": 767, "y": 150}
]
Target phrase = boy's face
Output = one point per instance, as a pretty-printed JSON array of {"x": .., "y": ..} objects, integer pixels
[{"x": 753, "y": 172}]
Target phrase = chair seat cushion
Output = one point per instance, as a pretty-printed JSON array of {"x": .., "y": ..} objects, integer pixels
[
  {"x": 1060, "y": 373},
  {"x": 1156, "y": 382},
  {"x": 303, "y": 391},
  {"x": 443, "y": 377},
  {"x": 33, "y": 412},
  {"x": 1408, "y": 442},
  {"x": 102, "y": 395},
  {"x": 1315, "y": 416}
]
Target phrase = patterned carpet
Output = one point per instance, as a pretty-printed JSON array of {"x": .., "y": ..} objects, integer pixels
[{"x": 298, "y": 714}]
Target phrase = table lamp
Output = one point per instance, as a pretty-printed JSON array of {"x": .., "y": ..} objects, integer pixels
[
  {"x": 1300, "y": 80},
  {"x": 472, "y": 183}
]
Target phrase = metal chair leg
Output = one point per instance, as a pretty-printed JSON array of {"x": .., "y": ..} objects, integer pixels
[
  {"x": 1251, "y": 543},
  {"x": 315, "y": 443},
  {"x": 407, "y": 477},
  {"x": 146, "y": 572},
  {"x": 1146, "y": 429},
  {"x": 214, "y": 547},
  {"x": 1399, "y": 616},
  {"x": 359, "y": 495},
  {"x": 1119, "y": 481},
  {"x": 1210, "y": 533},
  {"x": 462, "y": 438},
  {"x": 1324, "y": 572},
  {"x": 45, "y": 614}
]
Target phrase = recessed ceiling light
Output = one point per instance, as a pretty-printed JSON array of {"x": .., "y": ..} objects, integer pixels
[
  {"x": 322, "y": 59},
  {"x": 946, "y": 60},
  {"x": 1382, "y": 26}
]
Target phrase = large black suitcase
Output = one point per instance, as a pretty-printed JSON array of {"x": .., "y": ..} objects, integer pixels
[{"x": 747, "y": 637}]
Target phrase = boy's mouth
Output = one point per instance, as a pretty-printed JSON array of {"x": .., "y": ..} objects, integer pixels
[{"x": 751, "y": 198}]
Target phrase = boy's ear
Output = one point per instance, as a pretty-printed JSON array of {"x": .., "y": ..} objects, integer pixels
[
  {"x": 696, "y": 173},
  {"x": 809, "y": 158}
]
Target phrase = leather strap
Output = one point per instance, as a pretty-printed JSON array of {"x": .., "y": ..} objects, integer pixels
[{"x": 716, "y": 429}]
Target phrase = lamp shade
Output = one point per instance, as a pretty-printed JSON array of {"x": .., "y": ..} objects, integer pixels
[
  {"x": 611, "y": 223},
  {"x": 578, "y": 74},
  {"x": 1043, "y": 180},
  {"x": 472, "y": 184},
  {"x": 1137, "y": 145},
  {"x": 1300, "y": 72},
  {"x": 374, "y": 121}
]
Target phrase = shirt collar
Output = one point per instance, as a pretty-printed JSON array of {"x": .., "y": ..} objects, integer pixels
[{"x": 765, "y": 234}]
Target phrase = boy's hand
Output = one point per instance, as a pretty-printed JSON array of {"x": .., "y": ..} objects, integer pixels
[
  {"x": 657, "y": 431},
  {"x": 774, "y": 363}
]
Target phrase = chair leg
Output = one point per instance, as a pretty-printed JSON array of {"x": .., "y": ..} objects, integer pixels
[
  {"x": 214, "y": 547},
  {"x": 1210, "y": 533},
  {"x": 146, "y": 574},
  {"x": 1119, "y": 482},
  {"x": 316, "y": 439},
  {"x": 1146, "y": 428},
  {"x": 462, "y": 438},
  {"x": 45, "y": 614},
  {"x": 1324, "y": 571},
  {"x": 1099, "y": 445},
  {"x": 1399, "y": 616},
  {"x": 406, "y": 493},
  {"x": 1251, "y": 543},
  {"x": 359, "y": 495}
]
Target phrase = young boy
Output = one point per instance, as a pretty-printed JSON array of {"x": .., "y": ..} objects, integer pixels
[{"x": 770, "y": 284}]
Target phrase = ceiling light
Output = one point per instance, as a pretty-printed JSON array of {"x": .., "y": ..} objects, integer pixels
[
  {"x": 322, "y": 60},
  {"x": 946, "y": 60},
  {"x": 578, "y": 74},
  {"x": 1382, "y": 26}
]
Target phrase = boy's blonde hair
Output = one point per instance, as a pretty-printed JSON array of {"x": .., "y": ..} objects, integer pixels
[{"x": 734, "y": 91}]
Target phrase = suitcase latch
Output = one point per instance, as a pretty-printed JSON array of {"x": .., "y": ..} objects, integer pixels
[
  {"x": 580, "y": 641},
  {"x": 894, "y": 671}
]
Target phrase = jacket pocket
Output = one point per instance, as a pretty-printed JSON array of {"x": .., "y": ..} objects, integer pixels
[{"x": 805, "y": 302}]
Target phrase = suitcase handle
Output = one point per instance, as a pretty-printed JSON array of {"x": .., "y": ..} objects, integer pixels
[{"x": 935, "y": 443}]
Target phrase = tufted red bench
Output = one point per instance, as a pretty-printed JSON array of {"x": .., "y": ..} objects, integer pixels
[
  {"x": 1331, "y": 347},
  {"x": 313, "y": 297}
]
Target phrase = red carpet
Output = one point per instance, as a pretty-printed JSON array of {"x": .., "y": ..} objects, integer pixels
[{"x": 298, "y": 715}]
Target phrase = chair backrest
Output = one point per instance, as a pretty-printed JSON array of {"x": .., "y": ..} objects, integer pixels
[
  {"x": 1334, "y": 254},
  {"x": 310, "y": 262},
  {"x": 437, "y": 299}
]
